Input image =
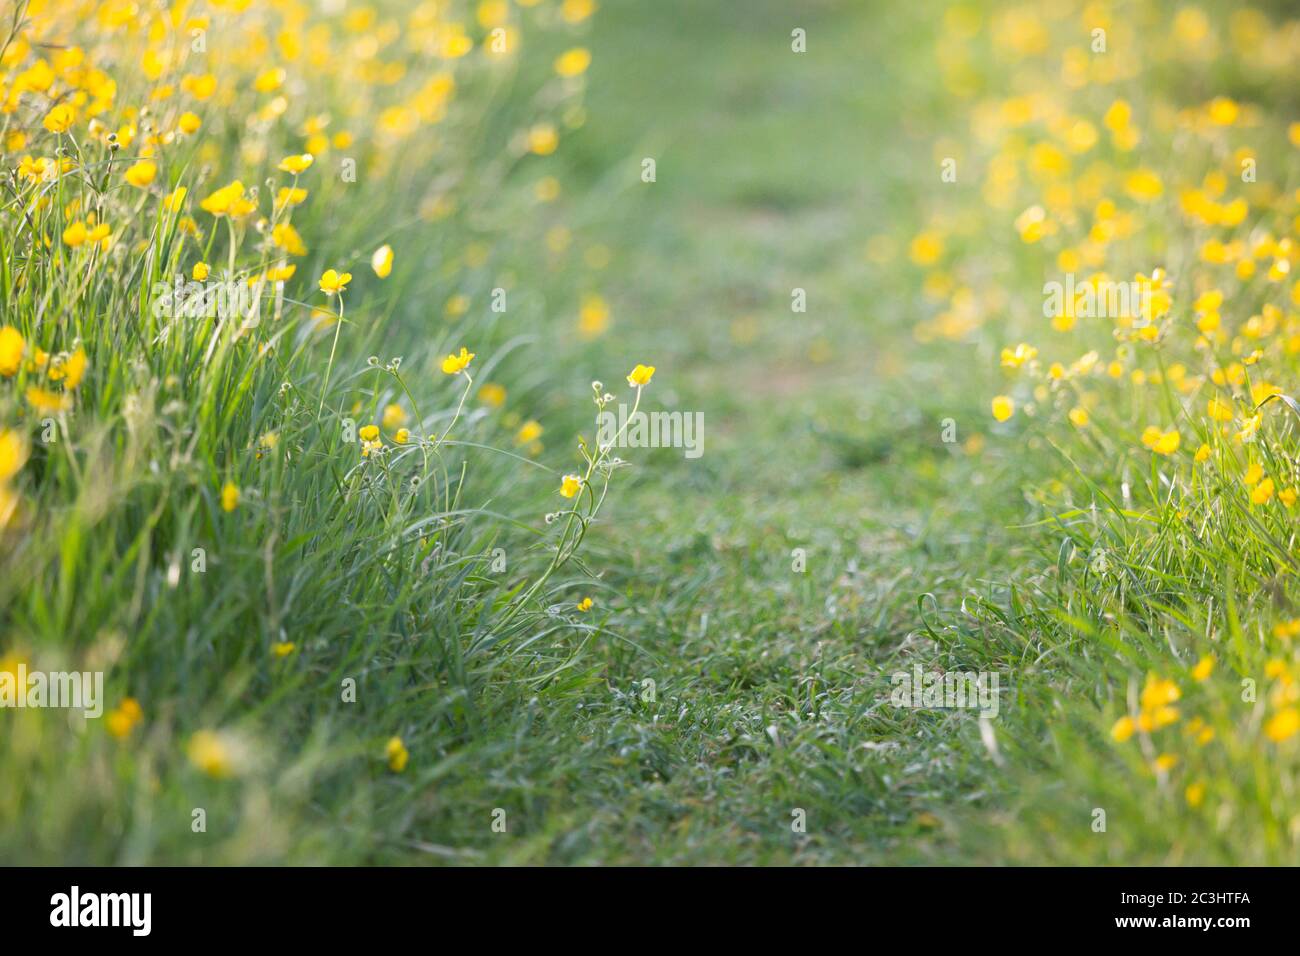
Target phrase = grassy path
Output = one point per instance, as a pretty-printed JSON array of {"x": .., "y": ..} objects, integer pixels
[{"x": 769, "y": 587}]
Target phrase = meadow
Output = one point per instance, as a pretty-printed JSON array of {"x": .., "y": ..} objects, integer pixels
[{"x": 310, "y": 315}]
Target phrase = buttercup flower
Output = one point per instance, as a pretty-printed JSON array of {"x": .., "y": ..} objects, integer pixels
[
  {"x": 570, "y": 485},
  {"x": 641, "y": 375},
  {"x": 60, "y": 118},
  {"x": 296, "y": 164},
  {"x": 141, "y": 174},
  {"x": 332, "y": 281},
  {"x": 455, "y": 364}
]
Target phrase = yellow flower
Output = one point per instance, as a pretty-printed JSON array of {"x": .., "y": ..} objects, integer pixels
[
  {"x": 397, "y": 755},
  {"x": 287, "y": 196},
  {"x": 200, "y": 87},
  {"x": 394, "y": 415},
  {"x": 455, "y": 364},
  {"x": 1079, "y": 416},
  {"x": 1283, "y": 724},
  {"x": 1262, "y": 492},
  {"x": 1204, "y": 667},
  {"x": 1159, "y": 691},
  {"x": 528, "y": 432},
  {"x": 173, "y": 200},
  {"x": 926, "y": 248},
  {"x": 60, "y": 118},
  {"x": 492, "y": 394},
  {"x": 542, "y": 139},
  {"x": 573, "y": 62},
  {"x": 142, "y": 173},
  {"x": 296, "y": 164},
  {"x": 13, "y": 453},
  {"x": 1003, "y": 407},
  {"x": 1166, "y": 762},
  {"x": 283, "y": 648},
  {"x": 75, "y": 234},
  {"x": 200, "y": 271},
  {"x": 1123, "y": 729},
  {"x": 11, "y": 351},
  {"x": 123, "y": 718},
  {"x": 188, "y": 123},
  {"x": 382, "y": 261},
  {"x": 229, "y": 496},
  {"x": 1202, "y": 454},
  {"x": 402, "y": 436},
  {"x": 593, "y": 316},
  {"x": 1022, "y": 353},
  {"x": 640, "y": 376},
  {"x": 1195, "y": 794},
  {"x": 210, "y": 752},
  {"x": 369, "y": 433},
  {"x": 71, "y": 369},
  {"x": 47, "y": 402},
  {"x": 287, "y": 238},
  {"x": 584, "y": 604},
  {"x": 1167, "y": 443},
  {"x": 229, "y": 200},
  {"x": 1223, "y": 111},
  {"x": 570, "y": 485},
  {"x": 1218, "y": 410},
  {"x": 332, "y": 282},
  {"x": 1144, "y": 185},
  {"x": 277, "y": 274}
]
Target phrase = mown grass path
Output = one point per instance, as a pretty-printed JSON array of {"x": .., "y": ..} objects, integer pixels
[{"x": 769, "y": 587}]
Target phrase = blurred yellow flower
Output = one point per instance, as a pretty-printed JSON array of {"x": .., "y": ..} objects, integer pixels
[
  {"x": 570, "y": 485},
  {"x": 211, "y": 753},
  {"x": 1283, "y": 725},
  {"x": 528, "y": 432},
  {"x": 229, "y": 496},
  {"x": 11, "y": 351},
  {"x": 382, "y": 261},
  {"x": 13, "y": 453},
  {"x": 47, "y": 402},
  {"x": 1003, "y": 407},
  {"x": 543, "y": 139},
  {"x": 122, "y": 719},
  {"x": 396, "y": 754},
  {"x": 1123, "y": 729},
  {"x": 141, "y": 174},
  {"x": 60, "y": 118},
  {"x": 573, "y": 62}
]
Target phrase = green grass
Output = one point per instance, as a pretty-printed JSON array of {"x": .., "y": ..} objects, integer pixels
[{"x": 1019, "y": 552}]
